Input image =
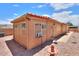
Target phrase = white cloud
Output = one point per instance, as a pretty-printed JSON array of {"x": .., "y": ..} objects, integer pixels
[
  {"x": 46, "y": 15},
  {"x": 39, "y": 6},
  {"x": 59, "y": 6},
  {"x": 10, "y": 19},
  {"x": 4, "y": 22},
  {"x": 66, "y": 16},
  {"x": 75, "y": 19},
  {"x": 16, "y": 5},
  {"x": 15, "y": 14},
  {"x": 62, "y": 16}
]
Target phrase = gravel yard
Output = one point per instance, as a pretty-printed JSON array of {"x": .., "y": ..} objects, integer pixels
[
  {"x": 71, "y": 47},
  {"x": 68, "y": 48},
  {"x": 4, "y": 50},
  {"x": 68, "y": 45},
  {"x": 18, "y": 50}
]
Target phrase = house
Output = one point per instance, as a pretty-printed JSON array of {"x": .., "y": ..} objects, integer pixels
[
  {"x": 73, "y": 28},
  {"x": 60, "y": 28},
  {"x": 64, "y": 27},
  {"x": 7, "y": 29},
  {"x": 31, "y": 30}
]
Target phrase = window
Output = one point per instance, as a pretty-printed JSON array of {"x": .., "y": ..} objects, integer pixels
[
  {"x": 38, "y": 30},
  {"x": 15, "y": 26},
  {"x": 38, "y": 34},
  {"x": 22, "y": 25},
  {"x": 38, "y": 27},
  {"x": 44, "y": 26}
]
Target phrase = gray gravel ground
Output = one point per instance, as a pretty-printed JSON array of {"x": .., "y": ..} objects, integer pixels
[
  {"x": 4, "y": 50},
  {"x": 18, "y": 50},
  {"x": 70, "y": 48}
]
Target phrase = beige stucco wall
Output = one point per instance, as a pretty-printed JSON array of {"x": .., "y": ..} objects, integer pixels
[{"x": 7, "y": 31}]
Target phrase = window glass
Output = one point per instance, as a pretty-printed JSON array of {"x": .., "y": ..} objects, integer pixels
[
  {"x": 38, "y": 34},
  {"x": 38, "y": 30},
  {"x": 15, "y": 26},
  {"x": 44, "y": 26},
  {"x": 22, "y": 25}
]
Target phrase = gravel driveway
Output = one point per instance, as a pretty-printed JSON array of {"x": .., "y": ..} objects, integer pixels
[
  {"x": 68, "y": 48},
  {"x": 18, "y": 50},
  {"x": 71, "y": 47},
  {"x": 4, "y": 50}
]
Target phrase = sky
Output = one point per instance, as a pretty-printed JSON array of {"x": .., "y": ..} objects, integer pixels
[{"x": 63, "y": 12}]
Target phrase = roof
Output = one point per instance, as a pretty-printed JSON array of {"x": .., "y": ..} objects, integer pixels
[
  {"x": 34, "y": 15},
  {"x": 6, "y": 26},
  {"x": 73, "y": 27},
  {"x": 64, "y": 23},
  {"x": 43, "y": 17}
]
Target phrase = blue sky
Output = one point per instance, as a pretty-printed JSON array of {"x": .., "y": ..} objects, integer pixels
[{"x": 63, "y": 12}]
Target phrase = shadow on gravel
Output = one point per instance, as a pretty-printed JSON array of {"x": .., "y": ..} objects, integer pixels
[{"x": 18, "y": 50}]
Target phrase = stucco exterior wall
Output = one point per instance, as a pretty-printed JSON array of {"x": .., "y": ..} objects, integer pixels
[
  {"x": 7, "y": 31},
  {"x": 74, "y": 29}
]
